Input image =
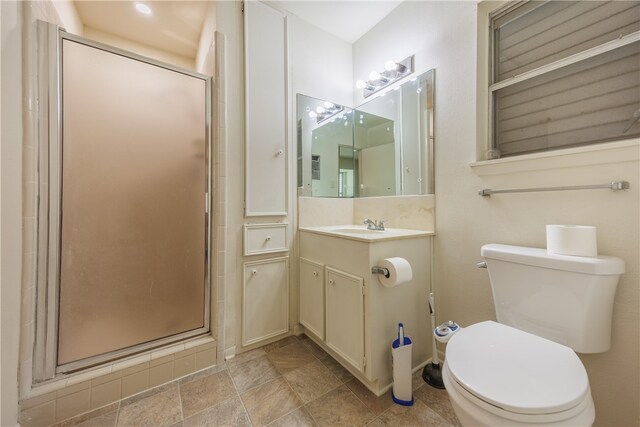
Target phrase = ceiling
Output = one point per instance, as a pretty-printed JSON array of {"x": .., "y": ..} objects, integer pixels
[
  {"x": 175, "y": 26},
  {"x": 348, "y": 20}
]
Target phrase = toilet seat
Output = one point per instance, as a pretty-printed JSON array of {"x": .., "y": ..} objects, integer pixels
[{"x": 515, "y": 372}]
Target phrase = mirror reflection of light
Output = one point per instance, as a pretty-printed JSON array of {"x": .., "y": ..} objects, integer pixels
[{"x": 328, "y": 105}]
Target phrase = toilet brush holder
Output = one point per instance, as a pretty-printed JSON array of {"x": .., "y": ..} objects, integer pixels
[{"x": 401, "y": 349}]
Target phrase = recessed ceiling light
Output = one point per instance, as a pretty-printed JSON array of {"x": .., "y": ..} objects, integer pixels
[{"x": 143, "y": 8}]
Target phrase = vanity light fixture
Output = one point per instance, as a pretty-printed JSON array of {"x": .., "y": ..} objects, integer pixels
[
  {"x": 393, "y": 71},
  {"x": 143, "y": 8},
  {"x": 325, "y": 111}
]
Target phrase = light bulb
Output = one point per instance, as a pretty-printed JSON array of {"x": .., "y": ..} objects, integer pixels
[
  {"x": 374, "y": 75},
  {"x": 360, "y": 84},
  {"x": 320, "y": 109},
  {"x": 313, "y": 114},
  {"x": 390, "y": 65},
  {"x": 143, "y": 8},
  {"x": 328, "y": 105}
]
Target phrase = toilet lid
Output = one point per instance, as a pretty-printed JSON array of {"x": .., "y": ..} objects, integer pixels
[{"x": 515, "y": 370}]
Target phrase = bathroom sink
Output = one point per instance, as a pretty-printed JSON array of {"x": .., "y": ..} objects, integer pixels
[
  {"x": 361, "y": 233},
  {"x": 358, "y": 231}
]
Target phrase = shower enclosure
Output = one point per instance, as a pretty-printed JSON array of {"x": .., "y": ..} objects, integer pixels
[{"x": 124, "y": 218}]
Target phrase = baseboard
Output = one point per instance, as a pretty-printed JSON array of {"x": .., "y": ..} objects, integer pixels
[
  {"x": 230, "y": 353},
  {"x": 298, "y": 329}
]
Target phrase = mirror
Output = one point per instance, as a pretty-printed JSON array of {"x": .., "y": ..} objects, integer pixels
[
  {"x": 384, "y": 147},
  {"x": 325, "y": 148}
]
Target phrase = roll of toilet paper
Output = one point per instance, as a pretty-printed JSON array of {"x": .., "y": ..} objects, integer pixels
[
  {"x": 578, "y": 240},
  {"x": 399, "y": 272}
]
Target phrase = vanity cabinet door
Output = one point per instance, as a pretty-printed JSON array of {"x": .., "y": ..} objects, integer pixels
[
  {"x": 265, "y": 110},
  {"x": 312, "y": 297},
  {"x": 265, "y": 299},
  {"x": 345, "y": 316}
]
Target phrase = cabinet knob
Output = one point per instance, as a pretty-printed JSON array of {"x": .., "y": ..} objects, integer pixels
[
  {"x": 267, "y": 238},
  {"x": 332, "y": 282},
  {"x": 279, "y": 153},
  {"x": 315, "y": 273},
  {"x": 254, "y": 272}
]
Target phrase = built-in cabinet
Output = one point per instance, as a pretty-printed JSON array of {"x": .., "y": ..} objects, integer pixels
[
  {"x": 312, "y": 292},
  {"x": 265, "y": 110},
  {"x": 344, "y": 305},
  {"x": 350, "y": 314},
  {"x": 332, "y": 309},
  {"x": 265, "y": 299},
  {"x": 265, "y": 292}
]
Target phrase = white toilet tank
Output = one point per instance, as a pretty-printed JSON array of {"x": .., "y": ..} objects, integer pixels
[{"x": 567, "y": 299}]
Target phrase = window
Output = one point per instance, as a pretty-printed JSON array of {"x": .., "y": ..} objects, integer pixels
[{"x": 563, "y": 74}]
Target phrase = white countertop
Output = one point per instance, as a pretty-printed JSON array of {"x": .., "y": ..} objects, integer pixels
[{"x": 360, "y": 233}]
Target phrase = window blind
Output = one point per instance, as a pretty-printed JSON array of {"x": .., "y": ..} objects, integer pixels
[
  {"x": 555, "y": 30},
  {"x": 590, "y": 101}
]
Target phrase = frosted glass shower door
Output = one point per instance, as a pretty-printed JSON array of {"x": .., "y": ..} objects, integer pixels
[{"x": 133, "y": 252}]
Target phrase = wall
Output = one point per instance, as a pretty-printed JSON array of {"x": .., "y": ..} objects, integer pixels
[
  {"x": 205, "y": 56},
  {"x": 68, "y": 16},
  {"x": 319, "y": 66},
  {"x": 139, "y": 48},
  {"x": 444, "y": 36},
  {"x": 10, "y": 206}
]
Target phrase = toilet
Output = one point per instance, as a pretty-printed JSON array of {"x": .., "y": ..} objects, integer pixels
[{"x": 523, "y": 369}]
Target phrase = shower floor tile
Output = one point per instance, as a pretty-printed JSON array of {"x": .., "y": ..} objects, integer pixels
[{"x": 289, "y": 383}]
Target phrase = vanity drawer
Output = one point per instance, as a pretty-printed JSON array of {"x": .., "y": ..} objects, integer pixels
[{"x": 265, "y": 238}]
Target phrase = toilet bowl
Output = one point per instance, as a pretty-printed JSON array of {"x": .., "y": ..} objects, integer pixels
[
  {"x": 524, "y": 370},
  {"x": 497, "y": 375}
]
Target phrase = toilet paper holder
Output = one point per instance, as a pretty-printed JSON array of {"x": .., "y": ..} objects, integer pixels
[{"x": 380, "y": 270}]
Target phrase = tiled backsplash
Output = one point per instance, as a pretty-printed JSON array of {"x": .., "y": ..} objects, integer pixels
[
  {"x": 313, "y": 211},
  {"x": 413, "y": 212},
  {"x": 79, "y": 395}
]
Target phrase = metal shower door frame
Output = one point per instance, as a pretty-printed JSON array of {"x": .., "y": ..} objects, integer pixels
[{"x": 49, "y": 137}]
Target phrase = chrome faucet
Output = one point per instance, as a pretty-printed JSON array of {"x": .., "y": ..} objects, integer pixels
[{"x": 375, "y": 225}]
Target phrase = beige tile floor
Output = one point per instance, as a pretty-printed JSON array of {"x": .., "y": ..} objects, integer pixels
[{"x": 292, "y": 382}]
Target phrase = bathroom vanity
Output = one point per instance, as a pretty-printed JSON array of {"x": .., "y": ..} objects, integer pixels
[{"x": 348, "y": 312}]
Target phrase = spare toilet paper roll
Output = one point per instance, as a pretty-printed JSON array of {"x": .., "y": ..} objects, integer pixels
[
  {"x": 578, "y": 240},
  {"x": 399, "y": 272}
]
